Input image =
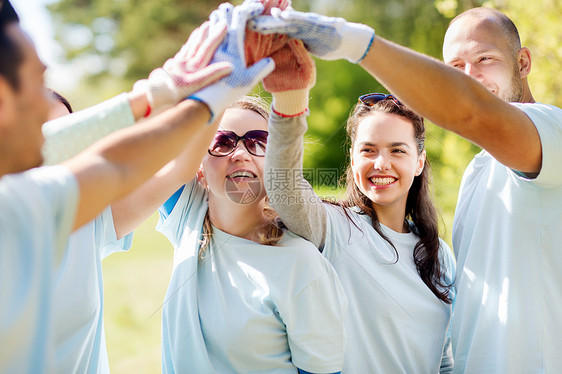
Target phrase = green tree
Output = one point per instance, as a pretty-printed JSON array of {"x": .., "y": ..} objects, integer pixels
[
  {"x": 122, "y": 41},
  {"x": 539, "y": 26}
]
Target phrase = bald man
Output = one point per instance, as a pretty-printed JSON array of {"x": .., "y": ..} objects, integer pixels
[{"x": 507, "y": 232}]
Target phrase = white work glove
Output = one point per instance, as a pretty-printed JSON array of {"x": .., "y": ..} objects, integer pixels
[
  {"x": 242, "y": 79},
  {"x": 328, "y": 38},
  {"x": 188, "y": 71}
]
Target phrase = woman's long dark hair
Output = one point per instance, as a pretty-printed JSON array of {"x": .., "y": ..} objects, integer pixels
[{"x": 419, "y": 206}]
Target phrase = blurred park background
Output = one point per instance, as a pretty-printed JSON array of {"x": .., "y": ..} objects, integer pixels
[{"x": 109, "y": 44}]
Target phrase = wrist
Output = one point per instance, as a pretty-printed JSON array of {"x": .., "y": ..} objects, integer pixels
[
  {"x": 201, "y": 107},
  {"x": 215, "y": 98},
  {"x": 358, "y": 38},
  {"x": 290, "y": 103},
  {"x": 139, "y": 104},
  {"x": 160, "y": 91}
]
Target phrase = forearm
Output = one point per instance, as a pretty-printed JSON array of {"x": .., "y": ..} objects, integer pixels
[
  {"x": 67, "y": 136},
  {"x": 456, "y": 102},
  {"x": 114, "y": 167},
  {"x": 289, "y": 193},
  {"x": 400, "y": 70},
  {"x": 136, "y": 207}
]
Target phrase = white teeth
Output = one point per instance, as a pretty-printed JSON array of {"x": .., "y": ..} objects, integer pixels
[
  {"x": 243, "y": 174},
  {"x": 382, "y": 181}
]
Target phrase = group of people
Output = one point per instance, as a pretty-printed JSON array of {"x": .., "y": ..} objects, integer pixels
[{"x": 362, "y": 285}]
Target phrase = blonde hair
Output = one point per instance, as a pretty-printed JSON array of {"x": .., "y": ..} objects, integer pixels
[{"x": 271, "y": 231}]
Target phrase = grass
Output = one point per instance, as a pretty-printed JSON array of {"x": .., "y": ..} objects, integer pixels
[{"x": 135, "y": 283}]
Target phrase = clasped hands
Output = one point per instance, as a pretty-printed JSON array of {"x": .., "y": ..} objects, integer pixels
[{"x": 258, "y": 40}]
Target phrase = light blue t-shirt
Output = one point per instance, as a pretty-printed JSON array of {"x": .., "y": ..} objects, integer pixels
[
  {"x": 37, "y": 210},
  {"x": 78, "y": 307},
  {"x": 247, "y": 307},
  {"x": 395, "y": 324},
  {"x": 78, "y": 297},
  {"x": 507, "y": 235}
]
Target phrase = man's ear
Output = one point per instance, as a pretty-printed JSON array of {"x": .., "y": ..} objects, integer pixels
[{"x": 524, "y": 61}]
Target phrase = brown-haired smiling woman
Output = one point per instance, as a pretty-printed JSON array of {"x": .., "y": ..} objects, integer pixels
[{"x": 383, "y": 240}]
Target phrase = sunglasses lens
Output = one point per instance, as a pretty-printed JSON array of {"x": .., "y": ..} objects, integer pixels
[
  {"x": 373, "y": 98},
  {"x": 256, "y": 142},
  {"x": 222, "y": 144}
]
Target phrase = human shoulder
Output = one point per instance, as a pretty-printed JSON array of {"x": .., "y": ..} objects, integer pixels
[
  {"x": 546, "y": 118},
  {"x": 534, "y": 108},
  {"x": 297, "y": 245},
  {"x": 548, "y": 121},
  {"x": 340, "y": 215},
  {"x": 304, "y": 255},
  {"x": 43, "y": 201},
  {"x": 47, "y": 184},
  {"x": 184, "y": 210},
  {"x": 302, "y": 265}
]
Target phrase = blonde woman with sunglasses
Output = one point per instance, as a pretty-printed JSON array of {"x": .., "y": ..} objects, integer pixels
[
  {"x": 246, "y": 295},
  {"x": 383, "y": 239}
]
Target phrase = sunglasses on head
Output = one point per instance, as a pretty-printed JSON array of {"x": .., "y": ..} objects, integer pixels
[
  {"x": 225, "y": 142},
  {"x": 371, "y": 99}
]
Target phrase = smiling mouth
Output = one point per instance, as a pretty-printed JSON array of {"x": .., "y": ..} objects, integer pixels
[
  {"x": 242, "y": 174},
  {"x": 378, "y": 181}
]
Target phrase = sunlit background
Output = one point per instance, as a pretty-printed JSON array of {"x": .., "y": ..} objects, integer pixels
[{"x": 96, "y": 49}]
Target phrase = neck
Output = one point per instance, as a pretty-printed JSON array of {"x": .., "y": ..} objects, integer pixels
[
  {"x": 237, "y": 220},
  {"x": 392, "y": 217},
  {"x": 527, "y": 96}
]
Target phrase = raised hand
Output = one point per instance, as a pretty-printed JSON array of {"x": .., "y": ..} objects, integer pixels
[
  {"x": 328, "y": 38},
  {"x": 257, "y": 45},
  {"x": 292, "y": 79},
  {"x": 242, "y": 79},
  {"x": 188, "y": 71}
]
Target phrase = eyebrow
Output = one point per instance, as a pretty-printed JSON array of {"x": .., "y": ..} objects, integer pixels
[
  {"x": 479, "y": 52},
  {"x": 476, "y": 53},
  {"x": 391, "y": 145}
]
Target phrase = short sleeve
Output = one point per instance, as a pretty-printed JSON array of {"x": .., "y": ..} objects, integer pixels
[
  {"x": 548, "y": 121},
  {"x": 338, "y": 232},
  {"x": 314, "y": 319},
  {"x": 108, "y": 237},
  {"x": 186, "y": 205}
]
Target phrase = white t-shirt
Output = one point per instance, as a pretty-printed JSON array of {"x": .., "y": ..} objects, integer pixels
[
  {"x": 507, "y": 234},
  {"x": 37, "y": 211},
  {"x": 78, "y": 297},
  {"x": 394, "y": 321},
  {"x": 247, "y": 307}
]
